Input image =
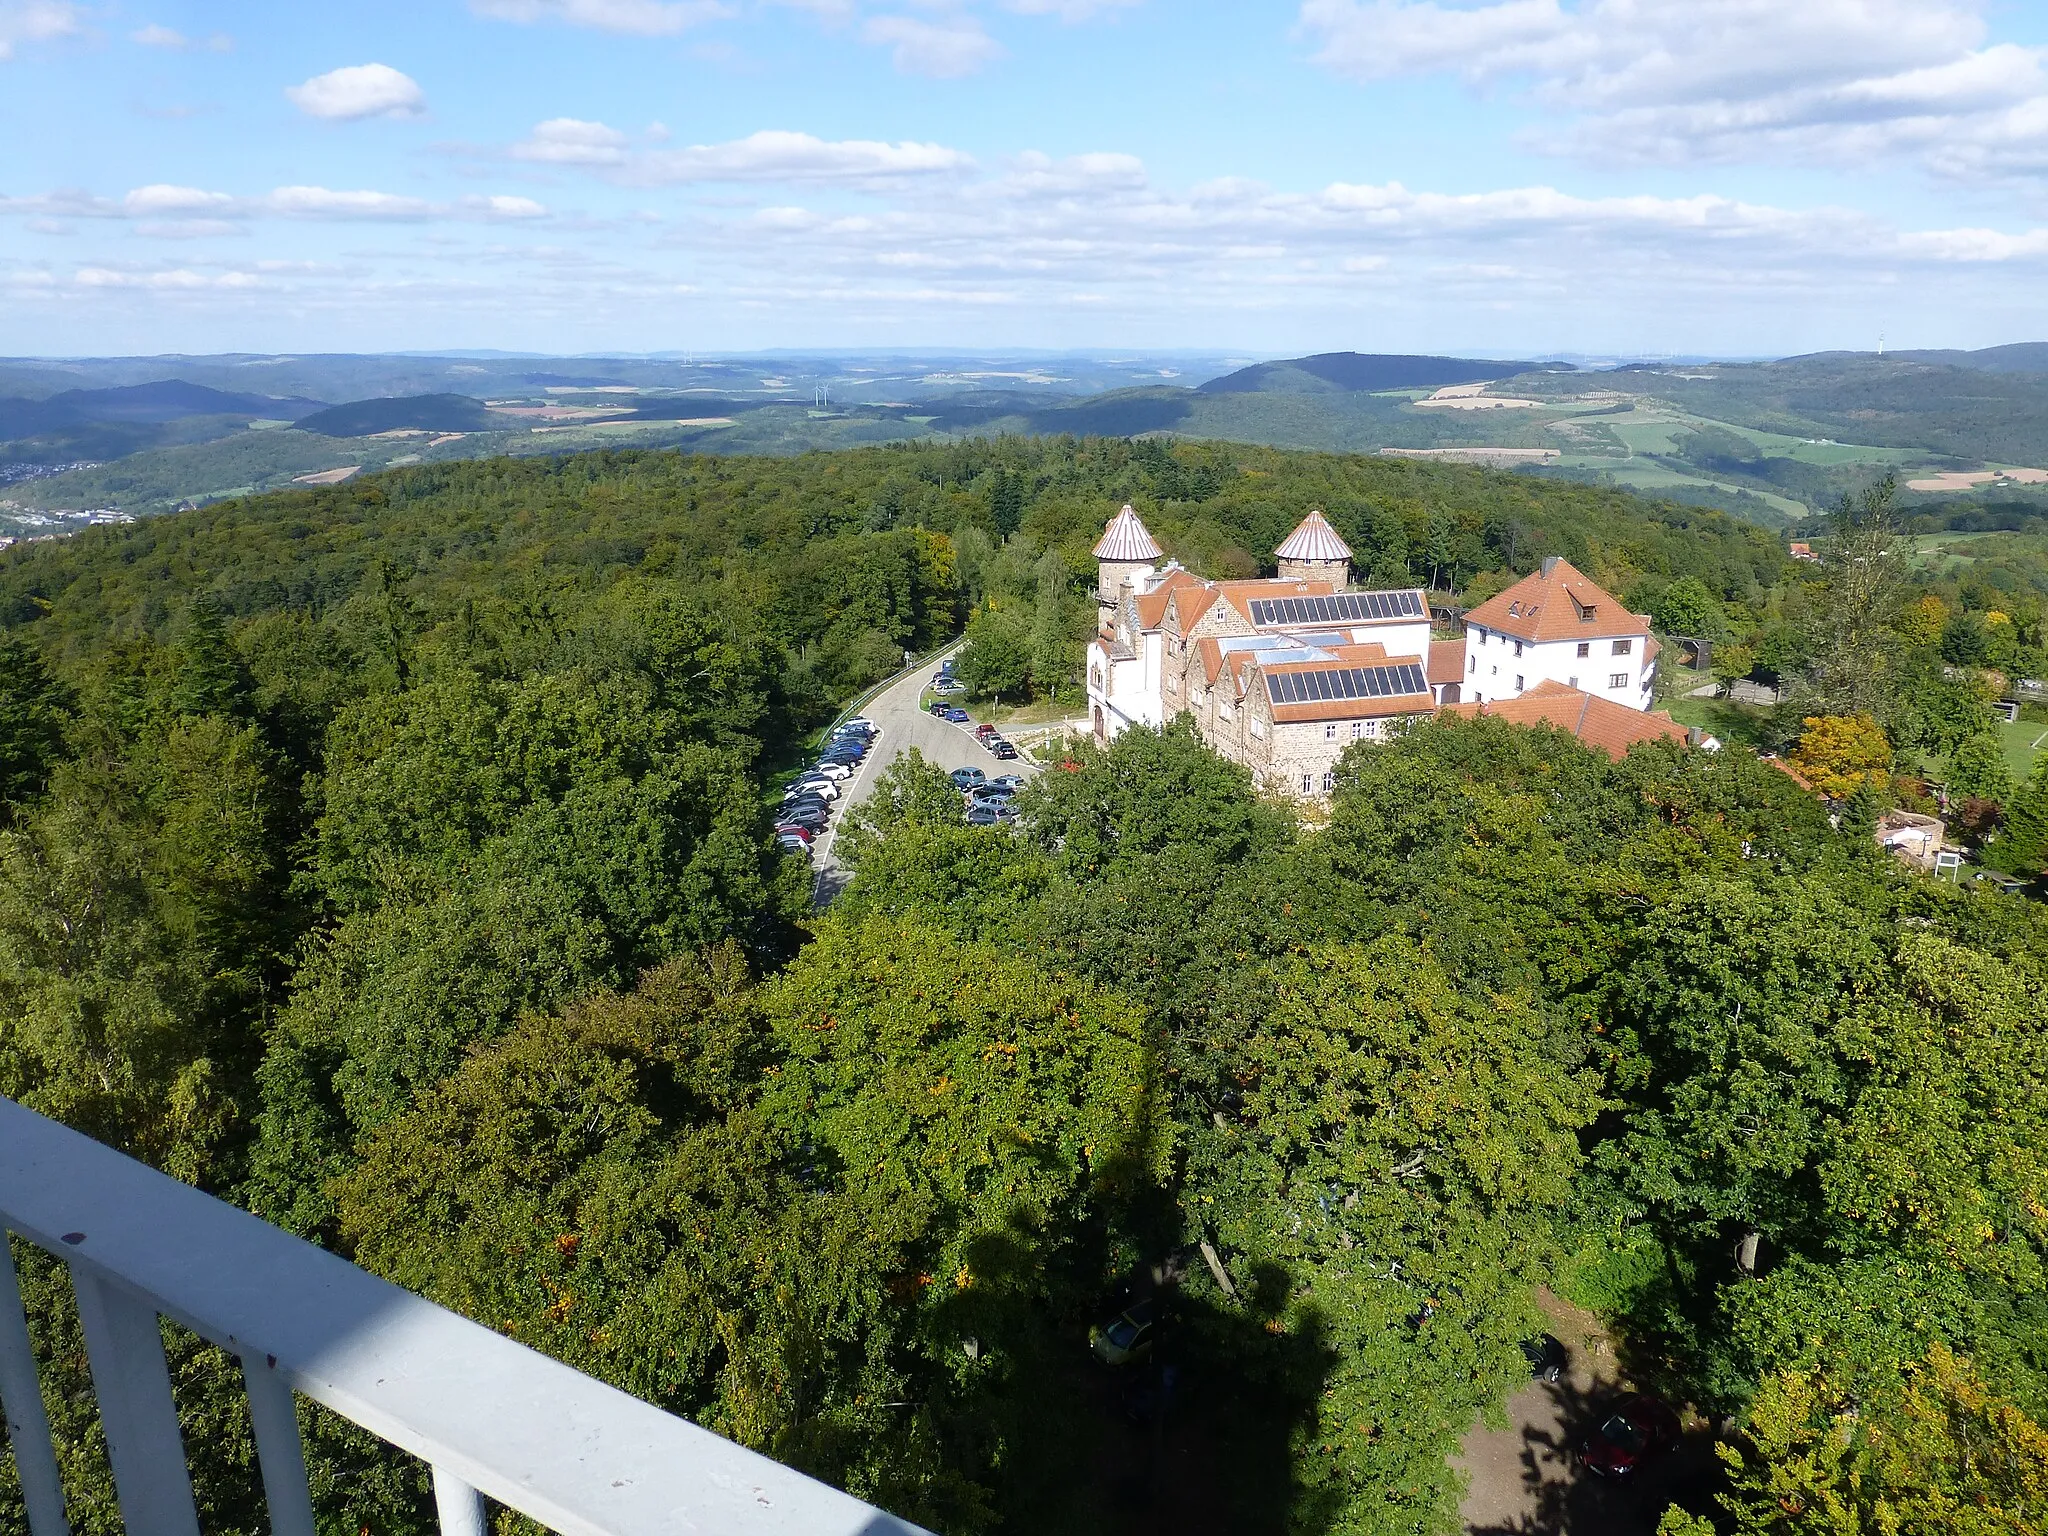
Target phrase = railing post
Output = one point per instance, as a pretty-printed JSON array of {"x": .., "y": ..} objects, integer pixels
[
  {"x": 282, "y": 1457},
  {"x": 126, "y": 1348},
  {"x": 21, "y": 1395},
  {"x": 461, "y": 1507}
]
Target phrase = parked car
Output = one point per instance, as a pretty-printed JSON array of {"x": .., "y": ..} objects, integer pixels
[
  {"x": 984, "y": 730},
  {"x": 1127, "y": 1337},
  {"x": 1003, "y": 750},
  {"x": 947, "y": 685},
  {"x": 1546, "y": 1357},
  {"x": 833, "y": 770},
  {"x": 811, "y": 818},
  {"x": 990, "y": 792},
  {"x": 957, "y": 716},
  {"x": 1637, "y": 1430},
  {"x": 983, "y": 816},
  {"x": 812, "y": 784},
  {"x": 940, "y": 708},
  {"x": 1008, "y": 780},
  {"x": 789, "y": 842},
  {"x": 804, "y": 803},
  {"x": 860, "y": 733},
  {"x": 860, "y": 723},
  {"x": 847, "y": 746},
  {"x": 967, "y": 778}
]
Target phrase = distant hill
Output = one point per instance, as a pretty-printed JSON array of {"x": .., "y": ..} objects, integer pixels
[
  {"x": 403, "y": 413},
  {"x": 1335, "y": 372},
  {"x": 151, "y": 404},
  {"x": 2018, "y": 357}
]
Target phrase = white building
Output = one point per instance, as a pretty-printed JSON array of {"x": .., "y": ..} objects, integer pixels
[
  {"x": 1555, "y": 625},
  {"x": 1284, "y": 674}
]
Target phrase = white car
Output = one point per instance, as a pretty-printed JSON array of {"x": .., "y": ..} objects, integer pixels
[
  {"x": 813, "y": 784},
  {"x": 833, "y": 771},
  {"x": 862, "y": 722}
]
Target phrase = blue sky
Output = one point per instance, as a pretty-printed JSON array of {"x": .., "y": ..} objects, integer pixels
[{"x": 1504, "y": 177}]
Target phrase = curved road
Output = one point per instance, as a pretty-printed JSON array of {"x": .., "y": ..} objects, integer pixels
[{"x": 904, "y": 725}]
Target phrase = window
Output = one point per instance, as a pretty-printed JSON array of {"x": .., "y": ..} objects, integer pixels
[
  {"x": 1308, "y": 783},
  {"x": 1330, "y": 732},
  {"x": 1472, "y": 664},
  {"x": 1618, "y": 680},
  {"x": 1358, "y": 730},
  {"x": 1571, "y": 682},
  {"x": 1496, "y": 671},
  {"x": 1585, "y": 647},
  {"x": 1329, "y": 782},
  {"x": 1518, "y": 647},
  {"x": 1258, "y": 728},
  {"x": 1518, "y": 682},
  {"x": 1622, "y": 647}
]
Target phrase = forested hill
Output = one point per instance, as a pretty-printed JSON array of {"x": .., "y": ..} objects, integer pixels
[
  {"x": 392, "y": 858},
  {"x": 793, "y": 540}
]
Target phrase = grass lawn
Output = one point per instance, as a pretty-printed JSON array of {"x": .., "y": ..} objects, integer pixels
[
  {"x": 1736, "y": 724},
  {"x": 2019, "y": 740}
]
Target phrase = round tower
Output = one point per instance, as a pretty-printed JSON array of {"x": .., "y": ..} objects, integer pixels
[
  {"x": 1313, "y": 552},
  {"x": 1124, "y": 555}
]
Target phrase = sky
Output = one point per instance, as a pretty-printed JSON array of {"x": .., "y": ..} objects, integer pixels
[{"x": 1489, "y": 177}]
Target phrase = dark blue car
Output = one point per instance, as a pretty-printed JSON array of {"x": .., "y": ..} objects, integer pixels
[{"x": 958, "y": 716}]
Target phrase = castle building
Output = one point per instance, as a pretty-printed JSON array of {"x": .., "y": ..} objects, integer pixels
[{"x": 1282, "y": 674}]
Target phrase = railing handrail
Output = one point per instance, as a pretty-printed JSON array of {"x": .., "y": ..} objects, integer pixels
[{"x": 580, "y": 1457}]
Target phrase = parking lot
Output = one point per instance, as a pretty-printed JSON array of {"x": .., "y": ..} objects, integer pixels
[{"x": 904, "y": 724}]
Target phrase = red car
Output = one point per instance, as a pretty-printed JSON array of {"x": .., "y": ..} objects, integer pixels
[
  {"x": 1635, "y": 1431},
  {"x": 794, "y": 829}
]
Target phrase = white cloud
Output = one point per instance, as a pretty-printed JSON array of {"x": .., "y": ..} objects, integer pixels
[
  {"x": 160, "y": 199},
  {"x": 942, "y": 50},
  {"x": 155, "y": 36},
  {"x": 359, "y": 91},
  {"x": 778, "y": 155},
  {"x": 635, "y": 18},
  {"x": 572, "y": 141},
  {"x": 502, "y": 207},
  {"x": 1069, "y": 10},
  {"x": 1836, "y": 81},
  {"x": 174, "y": 278},
  {"x": 35, "y": 21}
]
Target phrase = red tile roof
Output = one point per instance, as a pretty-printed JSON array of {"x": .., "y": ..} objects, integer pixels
[
  {"x": 1446, "y": 662},
  {"x": 1558, "y": 602},
  {"x": 1598, "y": 722}
]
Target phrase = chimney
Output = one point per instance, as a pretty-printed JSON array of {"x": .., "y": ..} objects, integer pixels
[{"x": 1549, "y": 564}]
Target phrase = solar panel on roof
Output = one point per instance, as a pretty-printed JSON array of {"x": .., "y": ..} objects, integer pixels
[
  {"x": 1336, "y": 683},
  {"x": 1343, "y": 608}
]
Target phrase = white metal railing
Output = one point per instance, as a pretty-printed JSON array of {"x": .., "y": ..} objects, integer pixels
[{"x": 490, "y": 1416}]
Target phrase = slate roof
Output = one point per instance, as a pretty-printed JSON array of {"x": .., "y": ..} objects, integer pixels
[
  {"x": 1313, "y": 539},
  {"x": 1126, "y": 539}
]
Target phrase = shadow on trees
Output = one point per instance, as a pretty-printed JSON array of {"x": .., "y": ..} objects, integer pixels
[{"x": 1559, "y": 1498}]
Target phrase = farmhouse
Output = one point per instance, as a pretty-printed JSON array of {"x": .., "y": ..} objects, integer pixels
[{"x": 1282, "y": 674}]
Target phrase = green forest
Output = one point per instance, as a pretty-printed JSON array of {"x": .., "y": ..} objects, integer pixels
[{"x": 393, "y": 859}]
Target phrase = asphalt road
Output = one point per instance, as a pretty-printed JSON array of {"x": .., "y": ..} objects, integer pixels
[{"x": 904, "y": 725}]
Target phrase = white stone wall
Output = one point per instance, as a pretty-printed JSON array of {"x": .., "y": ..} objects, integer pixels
[{"x": 1499, "y": 666}]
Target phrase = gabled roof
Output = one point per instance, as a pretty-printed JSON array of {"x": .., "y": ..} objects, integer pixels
[
  {"x": 1597, "y": 722},
  {"x": 1126, "y": 539},
  {"x": 1152, "y": 604},
  {"x": 1558, "y": 602},
  {"x": 1313, "y": 539}
]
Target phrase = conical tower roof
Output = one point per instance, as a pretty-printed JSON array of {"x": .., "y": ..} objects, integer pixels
[
  {"x": 1126, "y": 539},
  {"x": 1313, "y": 539}
]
